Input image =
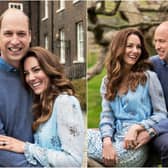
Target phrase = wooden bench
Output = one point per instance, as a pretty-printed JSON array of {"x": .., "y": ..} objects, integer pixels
[{"x": 153, "y": 161}]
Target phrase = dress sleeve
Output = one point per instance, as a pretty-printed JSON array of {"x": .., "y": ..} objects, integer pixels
[
  {"x": 70, "y": 126},
  {"x": 159, "y": 111},
  {"x": 107, "y": 120}
]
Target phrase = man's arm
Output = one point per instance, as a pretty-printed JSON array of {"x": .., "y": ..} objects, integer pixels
[
  {"x": 142, "y": 139},
  {"x": 145, "y": 136},
  {"x": 157, "y": 129},
  {"x": 161, "y": 127},
  {"x": 12, "y": 159}
]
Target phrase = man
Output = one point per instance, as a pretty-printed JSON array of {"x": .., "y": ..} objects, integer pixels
[
  {"x": 160, "y": 62},
  {"x": 15, "y": 102}
]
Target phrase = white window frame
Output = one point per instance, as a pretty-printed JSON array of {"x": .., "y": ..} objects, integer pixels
[
  {"x": 46, "y": 42},
  {"x": 61, "y": 6},
  {"x": 62, "y": 46},
  {"x": 15, "y": 4},
  {"x": 75, "y": 1},
  {"x": 80, "y": 43},
  {"x": 45, "y": 10}
]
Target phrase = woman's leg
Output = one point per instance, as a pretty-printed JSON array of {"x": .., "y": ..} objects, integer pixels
[
  {"x": 94, "y": 144},
  {"x": 130, "y": 158},
  {"x": 126, "y": 158}
]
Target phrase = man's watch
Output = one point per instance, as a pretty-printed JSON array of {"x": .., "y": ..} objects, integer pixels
[{"x": 152, "y": 133}]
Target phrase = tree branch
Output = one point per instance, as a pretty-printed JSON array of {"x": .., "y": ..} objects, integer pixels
[
  {"x": 117, "y": 27},
  {"x": 110, "y": 13}
]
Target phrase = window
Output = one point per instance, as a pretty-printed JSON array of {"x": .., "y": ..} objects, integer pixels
[
  {"x": 46, "y": 41},
  {"x": 45, "y": 10},
  {"x": 80, "y": 42},
  {"x": 61, "y": 5},
  {"x": 75, "y": 1},
  {"x": 62, "y": 45},
  {"x": 15, "y": 5}
]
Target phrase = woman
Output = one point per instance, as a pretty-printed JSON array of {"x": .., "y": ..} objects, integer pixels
[
  {"x": 58, "y": 124},
  {"x": 129, "y": 95}
]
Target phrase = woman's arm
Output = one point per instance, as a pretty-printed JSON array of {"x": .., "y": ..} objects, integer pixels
[
  {"x": 106, "y": 126},
  {"x": 107, "y": 120},
  {"x": 109, "y": 153},
  {"x": 159, "y": 111}
]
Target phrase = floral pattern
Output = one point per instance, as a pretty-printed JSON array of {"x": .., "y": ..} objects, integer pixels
[{"x": 60, "y": 141}]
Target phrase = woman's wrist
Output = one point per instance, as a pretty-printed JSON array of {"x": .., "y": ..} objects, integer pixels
[
  {"x": 107, "y": 140},
  {"x": 23, "y": 147},
  {"x": 138, "y": 127}
]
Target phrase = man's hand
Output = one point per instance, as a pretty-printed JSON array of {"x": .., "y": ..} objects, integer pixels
[
  {"x": 142, "y": 138},
  {"x": 130, "y": 140}
]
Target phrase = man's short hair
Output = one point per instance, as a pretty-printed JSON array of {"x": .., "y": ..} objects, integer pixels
[{"x": 6, "y": 11}]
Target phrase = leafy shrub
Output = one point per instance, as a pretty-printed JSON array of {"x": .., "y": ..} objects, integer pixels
[{"x": 80, "y": 88}]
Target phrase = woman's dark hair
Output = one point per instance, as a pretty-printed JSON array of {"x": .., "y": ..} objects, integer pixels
[
  {"x": 115, "y": 63},
  {"x": 58, "y": 83}
]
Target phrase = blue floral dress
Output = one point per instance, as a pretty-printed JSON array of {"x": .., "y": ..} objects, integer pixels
[
  {"x": 59, "y": 142},
  {"x": 118, "y": 115}
]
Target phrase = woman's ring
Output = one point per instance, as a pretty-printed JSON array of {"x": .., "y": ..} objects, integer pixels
[{"x": 3, "y": 143}]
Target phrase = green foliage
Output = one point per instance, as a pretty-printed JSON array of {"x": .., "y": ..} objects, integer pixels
[
  {"x": 94, "y": 100},
  {"x": 92, "y": 59},
  {"x": 80, "y": 88},
  {"x": 109, "y": 5},
  {"x": 93, "y": 92}
]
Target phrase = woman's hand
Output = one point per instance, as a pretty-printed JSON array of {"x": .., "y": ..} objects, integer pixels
[
  {"x": 109, "y": 153},
  {"x": 11, "y": 144},
  {"x": 130, "y": 140}
]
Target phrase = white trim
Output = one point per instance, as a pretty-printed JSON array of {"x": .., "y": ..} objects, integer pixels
[
  {"x": 78, "y": 61},
  {"x": 62, "y": 46},
  {"x": 45, "y": 10},
  {"x": 15, "y": 4},
  {"x": 59, "y": 10},
  {"x": 62, "y": 6},
  {"x": 80, "y": 42},
  {"x": 46, "y": 44},
  {"x": 76, "y": 1},
  {"x": 44, "y": 18}
]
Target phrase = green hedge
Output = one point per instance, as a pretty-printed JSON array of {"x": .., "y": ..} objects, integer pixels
[{"x": 80, "y": 88}]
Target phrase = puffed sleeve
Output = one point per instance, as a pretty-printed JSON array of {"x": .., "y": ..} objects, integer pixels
[
  {"x": 157, "y": 100},
  {"x": 107, "y": 120},
  {"x": 70, "y": 126}
]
